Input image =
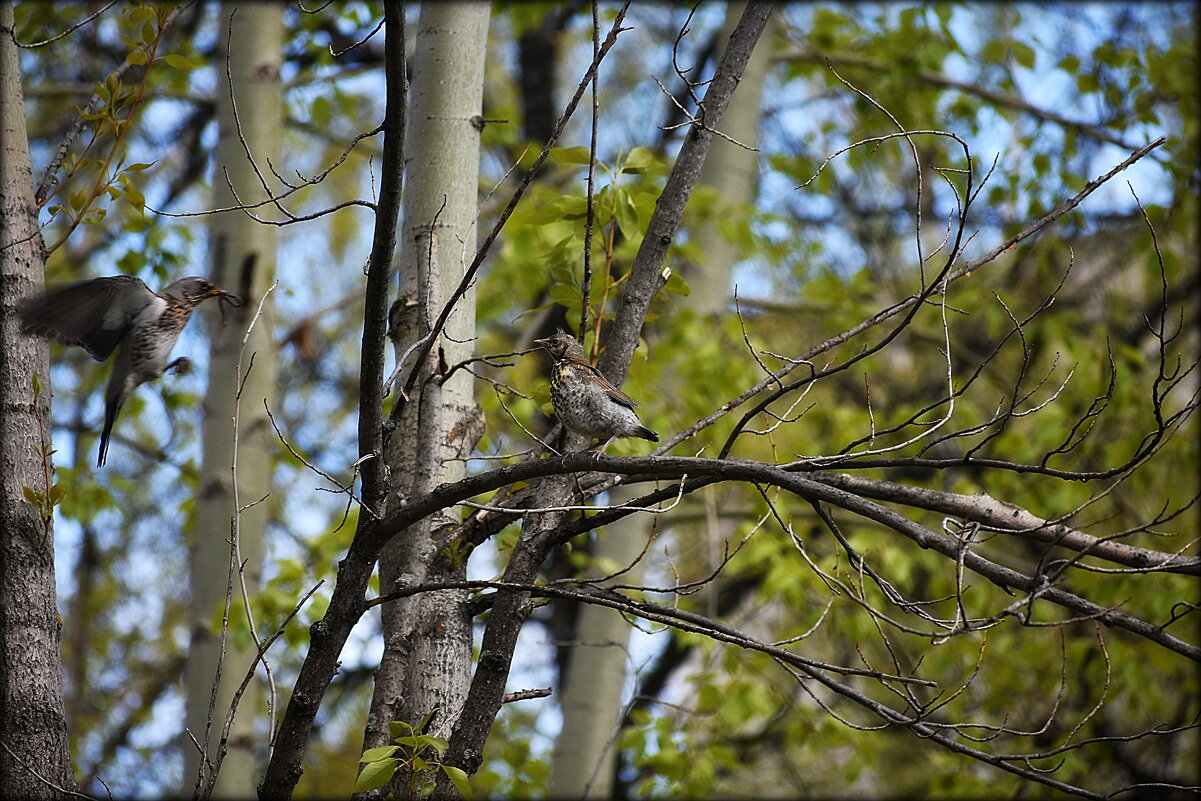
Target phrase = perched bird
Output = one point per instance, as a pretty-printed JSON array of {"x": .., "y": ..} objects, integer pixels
[
  {"x": 586, "y": 402},
  {"x": 121, "y": 310}
]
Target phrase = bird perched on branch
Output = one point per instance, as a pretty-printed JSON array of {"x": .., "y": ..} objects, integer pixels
[
  {"x": 101, "y": 314},
  {"x": 585, "y": 401}
]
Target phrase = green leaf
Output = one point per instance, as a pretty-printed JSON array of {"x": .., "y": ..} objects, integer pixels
[
  {"x": 564, "y": 207},
  {"x": 1024, "y": 54},
  {"x": 993, "y": 51},
  {"x": 640, "y": 159},
  {"x": 571, "y": 155},
  {"x": 627, "y": 214},
  {"x": 376, "y": 754},
  {"x": 132, "y": 262},
  {"x": 32, "y": 495},
  {"x": 136, "y": 199},
  {"x": 437, "y": 743},
  {"x": 136, "y": 57},
  {"x": 375, "y": 775},
  {"x": 458, "y": 777},
  {"x": 179, "y": 62},
  {"x": 141, "y": 165},
  {"x": 677, "y": 285},
  {"x": 139, "y": 13},
  {"x": 321, "y": 111}
]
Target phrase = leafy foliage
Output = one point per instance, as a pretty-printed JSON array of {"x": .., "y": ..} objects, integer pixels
[{"x": 1058, "y": 95}]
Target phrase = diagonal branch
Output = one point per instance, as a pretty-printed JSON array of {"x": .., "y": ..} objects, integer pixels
[
  {"x": 1001, "y": 516},
  {"x": 646, "y": 276},
  {"x": 284, "y": 767}
]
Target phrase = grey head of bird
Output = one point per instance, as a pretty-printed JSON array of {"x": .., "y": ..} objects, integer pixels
[
  {"x": 562, "y": 345},
  {"x": 193, "y": 289}
]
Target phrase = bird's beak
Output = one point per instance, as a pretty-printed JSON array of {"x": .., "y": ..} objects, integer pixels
[{"x": 541, "y": 342}]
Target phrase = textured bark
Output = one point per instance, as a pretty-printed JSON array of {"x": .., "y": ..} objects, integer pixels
[
  {"x": 427, "y": 638},
  {"x": 34, "y": 757},
  {"x": 347, "y": 602},
  {"x": 243, "y": 261}
]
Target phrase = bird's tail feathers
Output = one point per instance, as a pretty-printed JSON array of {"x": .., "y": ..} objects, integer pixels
[
  {"x": 110, "y": 416},
  {"x": 646, "y": 433}
]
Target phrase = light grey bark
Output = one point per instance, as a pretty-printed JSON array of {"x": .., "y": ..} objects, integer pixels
[
  {"x": 34, "y": 759},
  {"x": 427, "y": 638},
  {"x": 592, "y": 691},
  {"x": 243, "y": 261}
]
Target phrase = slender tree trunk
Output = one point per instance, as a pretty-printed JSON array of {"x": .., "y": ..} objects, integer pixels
[
  {"x": 427, "y": 638},
  {"x": 593, "y": 686},
  {"x": 34, "y": 758},
  {"x": 243, "y": 261}
]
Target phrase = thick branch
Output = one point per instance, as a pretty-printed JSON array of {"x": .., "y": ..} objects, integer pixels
[
  {"x": 348, "y": 604},
  {"x": 1006, "y": 517},
  {"x": 510, "y": 609},
  {"x": 665, "y": 468}
]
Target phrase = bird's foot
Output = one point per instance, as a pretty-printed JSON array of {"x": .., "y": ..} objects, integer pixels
[
  {"x": 180, "y": 366},
  {"x": 596, "y": 455}
]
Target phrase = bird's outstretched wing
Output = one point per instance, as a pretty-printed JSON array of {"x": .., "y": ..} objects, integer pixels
[{"x": 93, "y": 314}]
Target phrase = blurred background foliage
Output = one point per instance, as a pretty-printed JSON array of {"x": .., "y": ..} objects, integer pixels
[{"x": 1047, "y": 96}]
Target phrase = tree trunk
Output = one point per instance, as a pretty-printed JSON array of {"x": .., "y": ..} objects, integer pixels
[
  {"x": 427, "y": 638},
  {"x": 35, "y": 761},
  {"x": 243, "y": 261},
  {"x": 593, "y": 686}
]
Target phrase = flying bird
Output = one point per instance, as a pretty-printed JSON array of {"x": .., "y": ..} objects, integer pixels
[{"x": 103, "y": 314}]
